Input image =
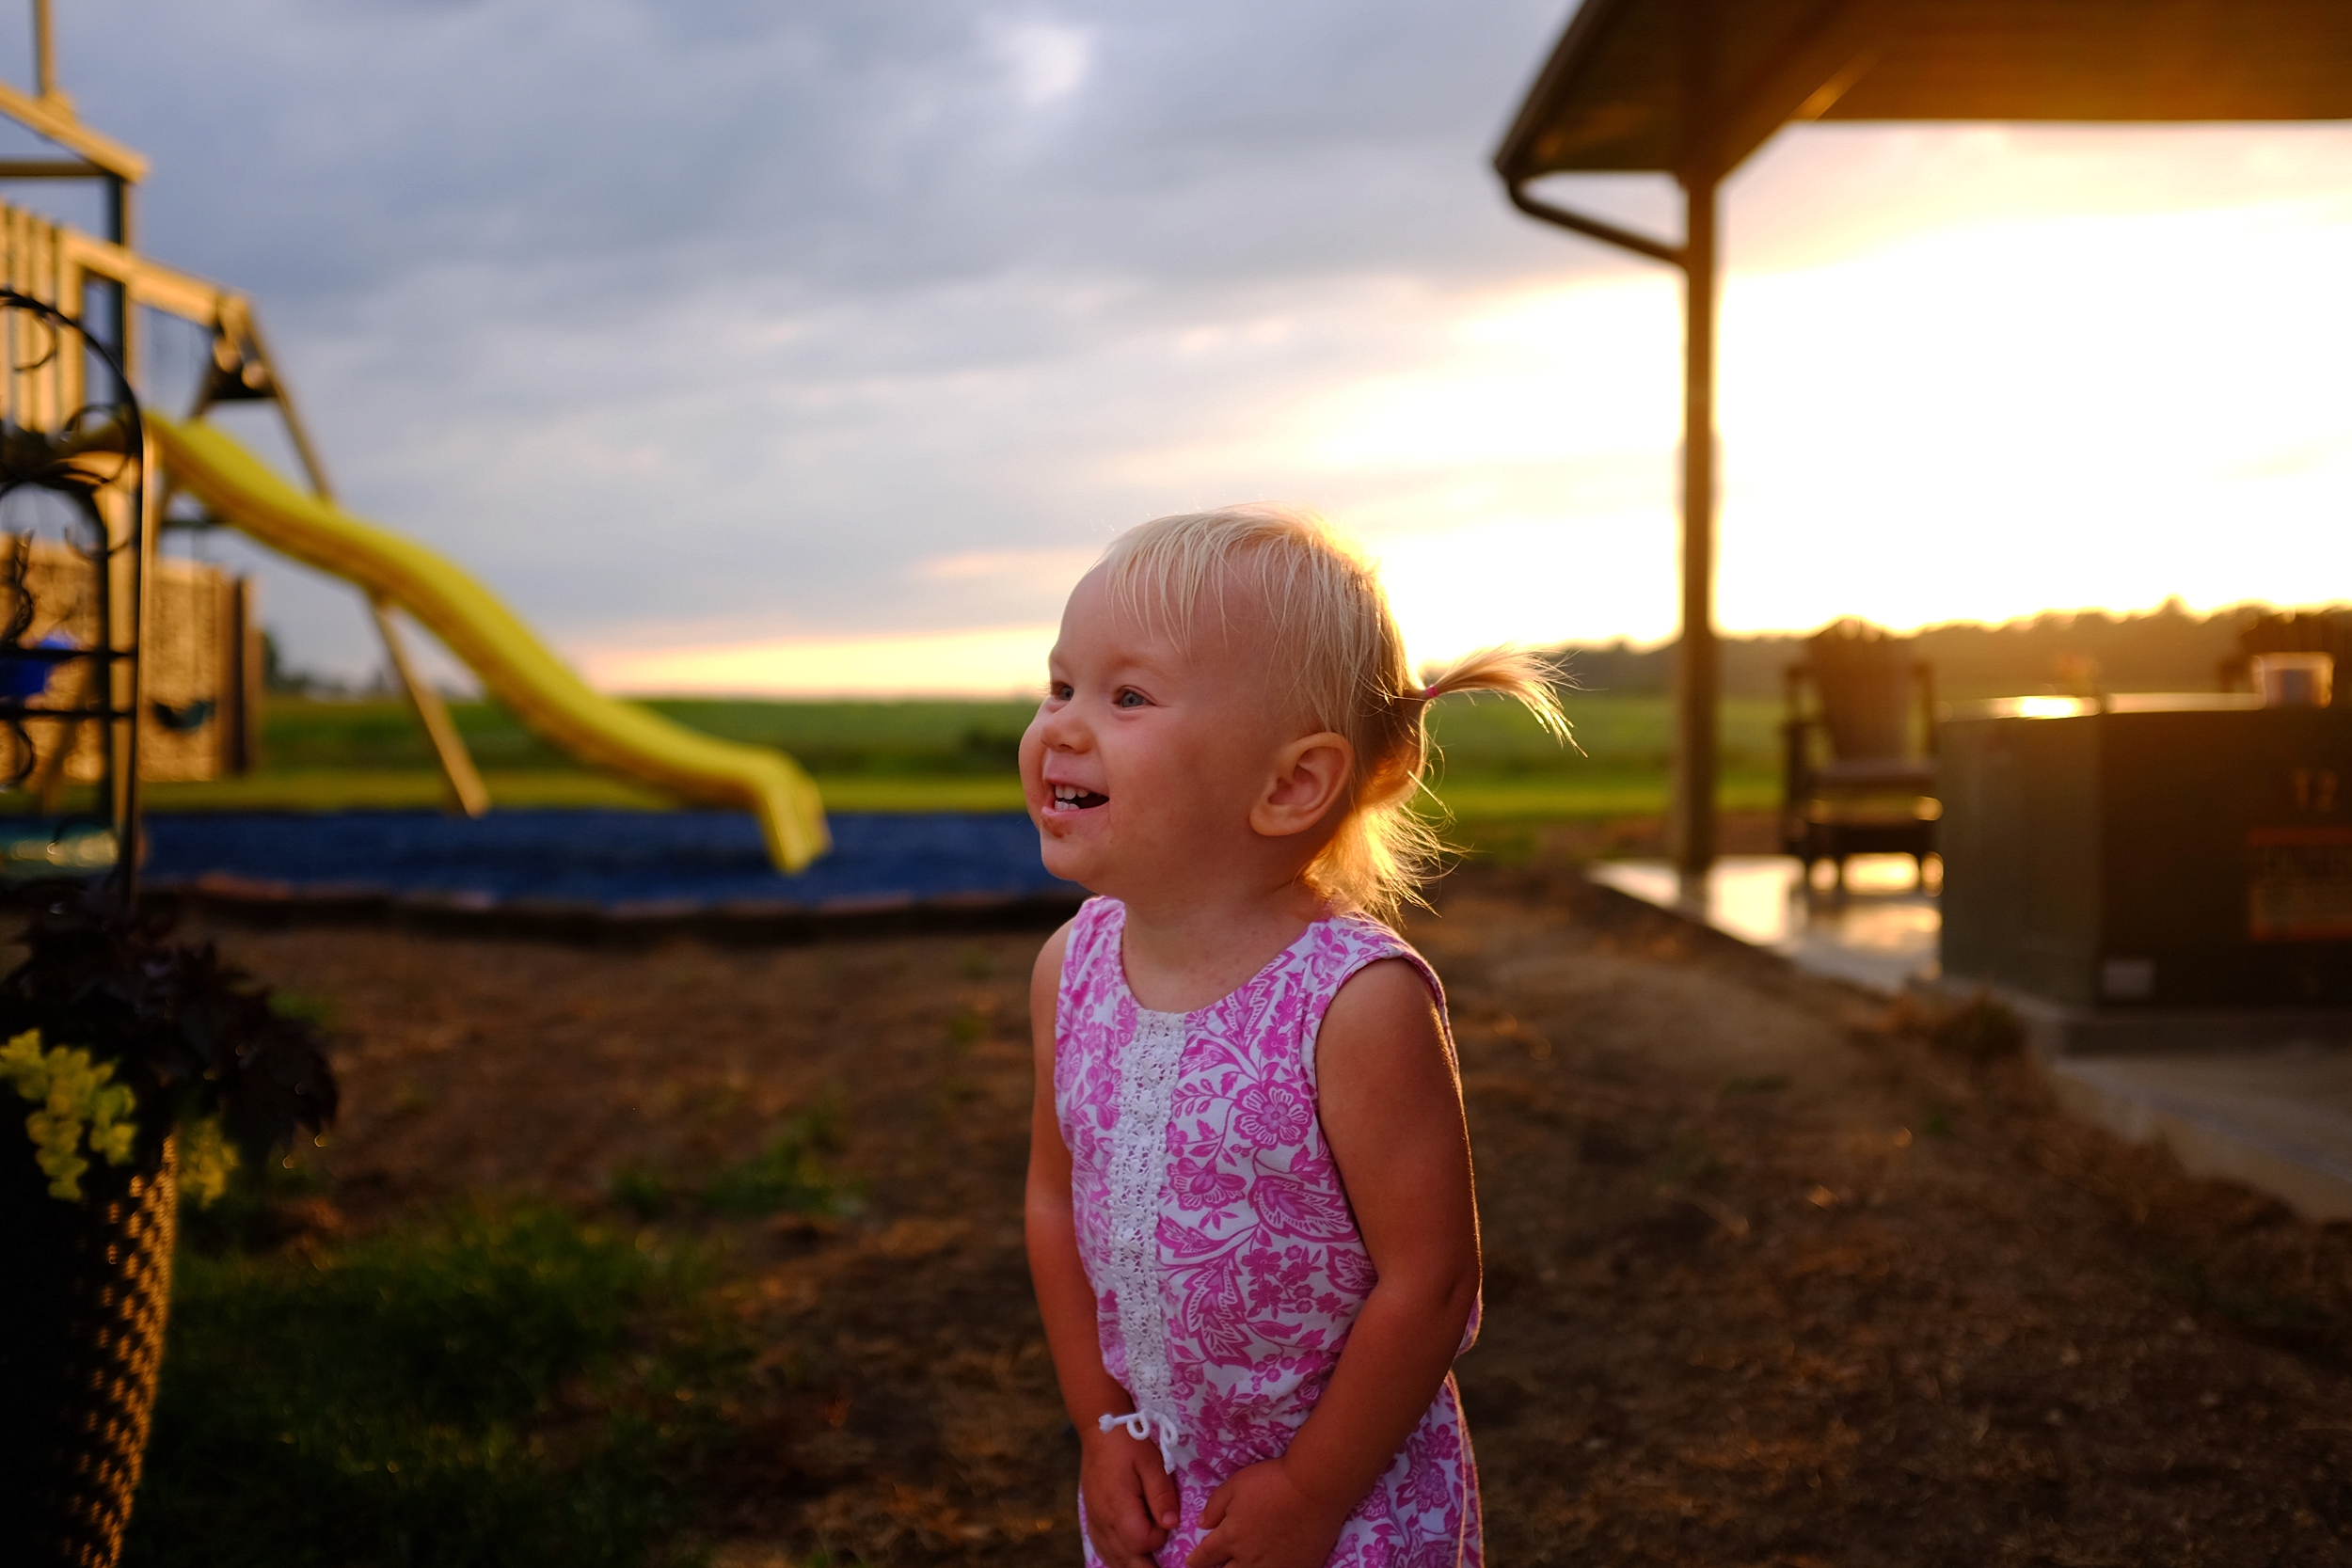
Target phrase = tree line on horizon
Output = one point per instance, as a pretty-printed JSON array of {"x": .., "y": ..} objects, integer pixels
[
  {"x": 2165, "y": 649},
  {"x": 2075, "y": 652}
]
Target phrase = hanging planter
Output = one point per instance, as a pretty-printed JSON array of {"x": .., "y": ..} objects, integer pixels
[
  {"x": 135, "y": 1069},
  {"x": 83, "y": 1330}
]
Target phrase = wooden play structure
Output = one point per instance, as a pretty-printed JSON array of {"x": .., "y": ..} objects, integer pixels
[
  {"x": 193, "y": 687},
  {"x": 200, "y": 690}
]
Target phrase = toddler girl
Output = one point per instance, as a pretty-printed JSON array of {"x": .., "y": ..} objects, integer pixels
[{"x": 1249, "y": 1208}]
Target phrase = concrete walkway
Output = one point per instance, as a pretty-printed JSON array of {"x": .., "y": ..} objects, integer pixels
[
  {"x": 2259, "y": 1098},
  {"x": 2278, "y": 1120},
  {"x": 1880, "y": 933}
]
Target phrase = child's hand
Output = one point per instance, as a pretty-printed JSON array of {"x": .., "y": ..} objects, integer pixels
[
  {"x": 1261, "y": 1519},
  {"x": 1131, "y": 1504}
]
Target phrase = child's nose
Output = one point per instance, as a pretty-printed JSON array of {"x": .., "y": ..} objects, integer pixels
[{"x": 1060, "y": 730}]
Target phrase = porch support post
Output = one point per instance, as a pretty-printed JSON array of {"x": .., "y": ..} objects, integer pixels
[{"x": 1697, "y": 673}]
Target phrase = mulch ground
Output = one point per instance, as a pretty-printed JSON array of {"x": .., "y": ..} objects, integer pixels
[{"x": 1771, "y": 1279}]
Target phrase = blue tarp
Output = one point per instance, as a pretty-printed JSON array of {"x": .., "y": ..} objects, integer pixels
[{"x": 608, "y": 859}]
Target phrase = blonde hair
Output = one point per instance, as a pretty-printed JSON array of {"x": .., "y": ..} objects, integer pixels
[{"x": 1331, "y": 633}]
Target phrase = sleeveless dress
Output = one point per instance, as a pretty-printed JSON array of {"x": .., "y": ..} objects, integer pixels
[{"x": 1226, "y": 1264}]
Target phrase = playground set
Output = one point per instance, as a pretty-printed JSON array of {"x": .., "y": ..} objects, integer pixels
[{"x": 117, "y": 665}]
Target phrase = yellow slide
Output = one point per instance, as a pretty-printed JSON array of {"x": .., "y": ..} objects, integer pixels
[{"x": 516, "y": 667}]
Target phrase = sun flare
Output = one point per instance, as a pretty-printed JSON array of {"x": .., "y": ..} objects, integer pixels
[{"x": 1975, "y": 423}]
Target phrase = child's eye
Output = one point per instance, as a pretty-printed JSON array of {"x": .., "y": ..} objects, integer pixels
[
  {"x": 1130, "y": 698},
  {"x": 1058, "y": 691}
]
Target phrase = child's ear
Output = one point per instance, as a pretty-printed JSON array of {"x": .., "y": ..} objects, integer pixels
[{"x": 1309, "y": 776}]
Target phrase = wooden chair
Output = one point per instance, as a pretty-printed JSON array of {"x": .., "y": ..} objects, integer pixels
[{"x": 1859, "y": 755}]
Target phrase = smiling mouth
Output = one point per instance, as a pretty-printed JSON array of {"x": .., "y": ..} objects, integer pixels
[{"x": 1070, "y": 798}]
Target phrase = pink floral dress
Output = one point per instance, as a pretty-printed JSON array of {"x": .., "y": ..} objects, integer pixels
[{"x": 1226, "y": 1263}]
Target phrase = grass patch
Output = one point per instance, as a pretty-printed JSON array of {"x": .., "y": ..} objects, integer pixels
[
  {"x": 1584, "y": 792},
  {"x": 642, "y": 1189},
  {"x": 1581, "y": 792},
  {"x": 1690, "y": 1162},
  {"x": 951, "y": 793},
  {"x": 323, "y": 789},
  {"x": 943, "y": 756},
  {"x": 1613, "y": 729},
  {"x": 1496, "y": 768},
  {"x": 306, "y": 1006},
  {"x": 950, "y": 738},
  {"x": 836, "y": 737},
  {"x": 489, "y": 1387},
  {"x": 251, "y": 1212},
  {"x": 788, "y": 1176},
  {"x": 396, "y": 789}
]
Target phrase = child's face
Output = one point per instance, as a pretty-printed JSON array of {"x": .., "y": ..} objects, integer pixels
[{"x": 1146, "y": 757}]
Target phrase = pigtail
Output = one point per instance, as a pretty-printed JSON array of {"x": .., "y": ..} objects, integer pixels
[
  {"x": 1527, "y": 678},
  {"x": 1336, "y": 645},
  {"x": 1389, "y": 846}
]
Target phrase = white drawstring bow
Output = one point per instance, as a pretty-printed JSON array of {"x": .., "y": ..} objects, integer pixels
[{"x": 1145, "y": 1427}]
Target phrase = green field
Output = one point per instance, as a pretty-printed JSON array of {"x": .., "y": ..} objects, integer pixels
[{"x": 321, "y": 755}]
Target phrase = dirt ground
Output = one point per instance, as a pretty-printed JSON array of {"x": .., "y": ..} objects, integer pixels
[{"x": 1770, "y": 1280}]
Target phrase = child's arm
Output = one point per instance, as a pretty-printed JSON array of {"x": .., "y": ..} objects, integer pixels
[
  {"x": 1392, "y": 1110},
  {"x": 1131, "y": 1503}
]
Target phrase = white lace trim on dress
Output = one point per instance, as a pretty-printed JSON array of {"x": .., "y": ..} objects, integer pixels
[{"x": 1136, "y": 1172}]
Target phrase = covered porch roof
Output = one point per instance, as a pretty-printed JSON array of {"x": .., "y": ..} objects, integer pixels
[
  {"x": 1690, "y": 88},
  {"x": 1620, "y": 92}
]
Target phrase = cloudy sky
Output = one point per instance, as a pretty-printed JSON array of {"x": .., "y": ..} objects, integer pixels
[{"x": 754, "y": 346}]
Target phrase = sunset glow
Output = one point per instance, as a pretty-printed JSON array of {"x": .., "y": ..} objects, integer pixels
[
  {"x": 1977, "y": 422},
  {"x": 993, "y": 662}
]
